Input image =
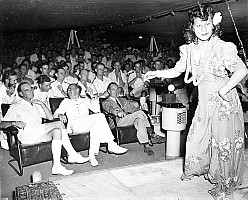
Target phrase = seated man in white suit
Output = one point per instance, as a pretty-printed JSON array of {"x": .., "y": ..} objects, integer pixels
[{"x": 79, "y": 120}]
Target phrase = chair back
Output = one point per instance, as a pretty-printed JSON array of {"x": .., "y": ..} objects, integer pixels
[
  {"x": 5, "y": 108},
  {"x": 101, "y": 100},
  {"x": 54, "y": 103}
]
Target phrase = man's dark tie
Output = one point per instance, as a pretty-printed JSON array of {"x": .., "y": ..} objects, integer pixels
[{"x": 118, "y": 103}]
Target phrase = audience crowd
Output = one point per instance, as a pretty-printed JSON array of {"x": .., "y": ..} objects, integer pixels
[{"x": 51, "y": 68}]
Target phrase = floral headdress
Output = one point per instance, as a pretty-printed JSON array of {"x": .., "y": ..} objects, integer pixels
[{"x": 217, "y": 18}]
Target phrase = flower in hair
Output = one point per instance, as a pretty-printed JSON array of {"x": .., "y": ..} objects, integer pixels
[{"x": 217, "y": 18}]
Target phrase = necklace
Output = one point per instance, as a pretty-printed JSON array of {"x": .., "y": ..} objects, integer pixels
[{"x": 198, "y": 69}]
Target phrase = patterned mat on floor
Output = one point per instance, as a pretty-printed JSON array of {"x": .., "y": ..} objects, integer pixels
[{"x": 158, "y": 180}]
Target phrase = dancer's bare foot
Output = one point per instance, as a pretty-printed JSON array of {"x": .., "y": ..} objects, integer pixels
[
  {"x": 186, "y": 178},
  {"x": 218, "y": 194}
]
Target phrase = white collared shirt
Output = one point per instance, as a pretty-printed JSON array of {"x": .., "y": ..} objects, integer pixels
[
  {"x": 43, "y": 96},
  {"x": 30, "y": 114},
  {"x": 4, "y": 98},
  {"x": 139, "y": 81},
  {"x": 89, "y": 85},
  {"x": 112, "y": 76},
  {"x": 76, "y": 108},
  {"x": 101, "y": 86},
  {"x": 56, "y": 91},
  {"x": 71, "y": 80}
]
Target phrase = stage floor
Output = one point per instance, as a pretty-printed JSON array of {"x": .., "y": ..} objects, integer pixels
[{"x": 158, "y": 180}]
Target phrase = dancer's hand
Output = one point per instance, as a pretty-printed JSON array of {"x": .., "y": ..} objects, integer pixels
[
  {"x": 224, "y": 95},
  {"x": 150, "y": 75}
]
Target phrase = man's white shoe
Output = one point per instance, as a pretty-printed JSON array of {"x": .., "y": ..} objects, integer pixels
[
  {"x": 77, "y": 159},
  {"x": 62, "y": 171},
  {"x": 93, "y": 161},
  {"x": 116, "y": 149},
  {"x": 3, "y": 141}
]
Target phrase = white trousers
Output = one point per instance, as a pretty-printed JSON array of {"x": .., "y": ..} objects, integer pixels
[{"x": 98, "y": 127}]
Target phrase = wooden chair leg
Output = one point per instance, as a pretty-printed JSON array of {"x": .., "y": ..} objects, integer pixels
[
  {"x": 19, "y": 162},
  {"x": 105, "y": 145},
  {"x": 118, "y": 135}
]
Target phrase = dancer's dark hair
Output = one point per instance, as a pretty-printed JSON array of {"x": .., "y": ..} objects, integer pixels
[{"x": 203, "y": 12}]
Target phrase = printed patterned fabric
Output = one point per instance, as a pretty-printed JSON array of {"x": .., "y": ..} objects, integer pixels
[
  {"x": 215, "y": 143},
  {"x": 38, "y": 191}
]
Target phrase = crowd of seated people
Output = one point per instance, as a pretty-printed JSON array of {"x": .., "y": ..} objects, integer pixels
[
  {"x": 50, "y": 68},
  {"x": 53, "y": 70}
]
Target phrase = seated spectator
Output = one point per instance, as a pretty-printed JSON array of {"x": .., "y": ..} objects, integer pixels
[
  {"x": 136, "y": 81},
  {"x": 136, "y": 56},
  {"x": 30, "y": 73},
  {"x": 8, "y": 89},
  {"x": 34, "y": 56},
  {"x": 3, "y": 94},
  {"x": 87, "y": 87},
  {"x": 61, "y": 56},
  {"x": 26, "y": 116},
  {"x": 23, "y": 75},
  {"x": 158, "y": 65},
  {"x": 101, "y": 60},
  {"x": 81, "y": 65},
  {"x": 118, "y": 76},
  {"x": 59, "y": 87},
  {"x": 127, "y": 69},
  {"x": 163, "y": 58},
  {"x": 51, "y": 69},
  {"x": 20, "y": 57},
  {"x": 40, "y": 61},
  {"x": 170, "y": 63},
  {"x": 80, "y": 56},
  {"x": 129, "y": 54},
  {"x": 151, "y": 64},
  {"x": 101, "y": 82},
  {"x": 92, "y": 72},
  {"x": 35, "y": 68},
  {"x": 146, "y": 69},
  {"x": 73, "y": 58},
  {"x": 76, "y": 69},
  {"x": 79, "y": 120},
  {"x": 8, "y": 96},
  {"x": 69, "y": 76},
  {"x": 43, "y": 92},
  {"x": 14, "y": 65},
  {"x": 109, "y": 61},
  {"x": 128, "y": 114},
  {"x": 46, "y": 71}
]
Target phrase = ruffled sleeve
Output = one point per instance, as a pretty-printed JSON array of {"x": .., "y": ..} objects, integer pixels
[
  {"x": 230, "y": 58},
  {"x": 182, "y": 63}
]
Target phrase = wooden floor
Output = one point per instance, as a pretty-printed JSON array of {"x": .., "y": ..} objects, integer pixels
[
  {"x": 135, "y": 155},
  {"x": 9, "y": 180}
]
